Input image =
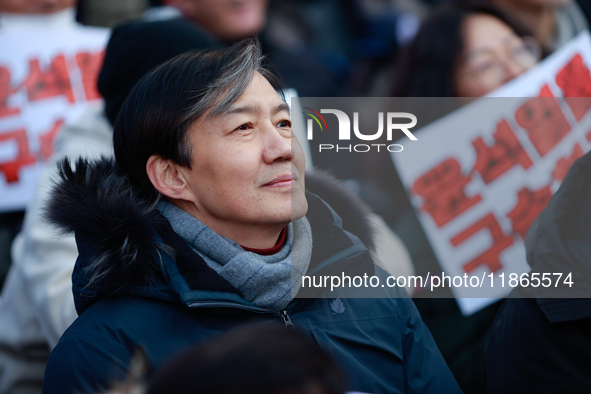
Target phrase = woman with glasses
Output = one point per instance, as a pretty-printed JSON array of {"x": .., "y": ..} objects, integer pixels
[
  {"x": 493, "y": 54},
  {"x": 465, "y": 51},
  {"x": 459, "y": 51}
]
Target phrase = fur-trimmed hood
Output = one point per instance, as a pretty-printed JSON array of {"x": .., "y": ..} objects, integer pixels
[
  {"x": 127, "y": 247},
  {"x": 97, "y": 204}
]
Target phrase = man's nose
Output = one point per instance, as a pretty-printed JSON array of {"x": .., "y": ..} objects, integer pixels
[{"x": 277, "y": 146}]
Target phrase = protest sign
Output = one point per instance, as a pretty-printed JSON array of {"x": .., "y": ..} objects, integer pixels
[
  {"x": 480, "y": 176},
  {"x": 47, "y": 76}
]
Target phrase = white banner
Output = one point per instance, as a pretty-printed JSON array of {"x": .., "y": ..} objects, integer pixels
[
  {"x": 46, "y": 78},
  {"x": 481, "y": 175}
]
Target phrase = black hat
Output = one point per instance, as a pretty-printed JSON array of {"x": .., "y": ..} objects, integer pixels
[{"x": 137, "y": 47}]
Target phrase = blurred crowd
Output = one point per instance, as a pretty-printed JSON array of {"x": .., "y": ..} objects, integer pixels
[{"x": 320, "y": 48}]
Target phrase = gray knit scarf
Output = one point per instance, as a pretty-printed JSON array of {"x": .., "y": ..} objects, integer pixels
[{"x": 267, "y": 281}]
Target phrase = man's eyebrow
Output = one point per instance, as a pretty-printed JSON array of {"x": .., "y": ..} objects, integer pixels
[
  {"x": 281, "y": 107},
  {"x": 252, "y": 109},
  {"x": 240, "y": 109}
]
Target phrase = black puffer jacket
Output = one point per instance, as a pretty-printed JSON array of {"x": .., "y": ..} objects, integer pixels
[{"x": 137, "y": 283}]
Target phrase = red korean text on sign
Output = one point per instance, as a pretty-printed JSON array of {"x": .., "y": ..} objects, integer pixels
[
  {"x": 528, "y": 207},
  {"x": 493, "y": 161},
  {"x": 46, "y": 139},
  {"x": 6, "y": 90},
  {"x": 491, "y": 257},
  {"x": 23, "y": 158},
  {"x": 575, "y": 81},
  {"x": 90, "y": 65},
  {"x": 564, "y": 163},
  {"x": 55, "y": 81},
  {"x": 443, "y": 191},
  {"x": 544, "y": 121}
]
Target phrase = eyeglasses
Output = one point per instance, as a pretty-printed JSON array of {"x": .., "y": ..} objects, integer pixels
[{"x": 493, "y": 68}]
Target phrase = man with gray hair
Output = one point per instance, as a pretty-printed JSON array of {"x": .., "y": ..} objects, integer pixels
[{"x": 202, "y": 223}]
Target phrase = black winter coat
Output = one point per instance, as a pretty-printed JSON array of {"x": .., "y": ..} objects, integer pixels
[
  {"x": 543, "y": 345},
  {"x": 165, "y": 302}
]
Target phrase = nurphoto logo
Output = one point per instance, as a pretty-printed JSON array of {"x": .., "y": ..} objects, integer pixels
[{"x": 344, "y": 132}]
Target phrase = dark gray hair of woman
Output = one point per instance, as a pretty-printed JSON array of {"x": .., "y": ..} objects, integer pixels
[{"x": 427, "y": 66}]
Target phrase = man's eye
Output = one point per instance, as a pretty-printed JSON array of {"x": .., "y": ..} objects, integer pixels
[
  {"x": 245, "y": 126},
  {"x": 284, "y": 123}
]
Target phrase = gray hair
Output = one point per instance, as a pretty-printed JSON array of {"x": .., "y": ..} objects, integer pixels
[
  {"x": 232, "y": 80},
  {"x": 159, "y": 111}
]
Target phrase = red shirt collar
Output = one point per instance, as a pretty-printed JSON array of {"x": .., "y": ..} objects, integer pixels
[{"x": 274, "y": 249}]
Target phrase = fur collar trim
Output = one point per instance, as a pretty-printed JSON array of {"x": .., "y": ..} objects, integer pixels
[
  {"x": 125, "y": 244},
  {"x": 115, "y": 229}
]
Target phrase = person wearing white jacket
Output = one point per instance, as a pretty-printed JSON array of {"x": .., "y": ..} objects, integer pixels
[{"x": 37, "y": 304}]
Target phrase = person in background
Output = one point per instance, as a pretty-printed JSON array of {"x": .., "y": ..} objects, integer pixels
[
  {"x": 311, "y": 71},
  {"x": 259, "y": 359},
  {"x": 35, "y": 6},
  {"x": 37, "y": 304},
  {"x": 21, "y": 16},
  {"x": 109, "y": 13},
  {"x": 538, "y": 344},
  {"x": 553, "y": 22},
  {"x": 228, "y": 20},
  {"x": 463, "y": 50},
  {"x": 196, "y": 226}
]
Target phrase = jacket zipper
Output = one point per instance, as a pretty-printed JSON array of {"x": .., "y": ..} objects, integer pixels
[{"x": 284, "y": 314}]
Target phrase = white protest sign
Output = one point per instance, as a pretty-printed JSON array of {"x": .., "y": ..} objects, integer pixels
[
  {"x": 480, "y": 176},
  {"x": 47, "y": 76}
]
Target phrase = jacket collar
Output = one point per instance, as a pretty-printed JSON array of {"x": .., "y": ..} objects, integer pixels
[{"x": 126, "y": 247}]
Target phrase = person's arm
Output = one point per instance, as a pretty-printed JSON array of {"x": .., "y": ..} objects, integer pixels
[
  {"x": 44, "y": 257},
  {"x": 46, "y": 262}
]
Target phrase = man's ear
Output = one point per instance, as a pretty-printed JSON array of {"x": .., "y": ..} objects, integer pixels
[{"x": 166, "y": 178}]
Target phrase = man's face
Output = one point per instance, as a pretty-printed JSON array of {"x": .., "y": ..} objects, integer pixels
[
  {"x": 226, "y": 19},
  {"x": 35, "y": 6},
  {"x": 245, "y": 171}
]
